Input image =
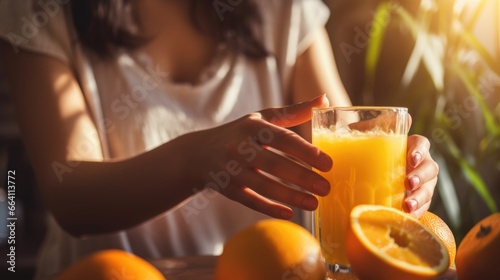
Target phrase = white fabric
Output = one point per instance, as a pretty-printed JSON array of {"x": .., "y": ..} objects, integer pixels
[{"x": 136, "y": 108}]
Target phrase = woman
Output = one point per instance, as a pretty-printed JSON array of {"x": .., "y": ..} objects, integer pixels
[{"x": 150, "y": 114}]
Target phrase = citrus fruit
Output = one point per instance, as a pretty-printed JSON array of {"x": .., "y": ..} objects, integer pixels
[
  {"x": 111, "y": 264},
  {"x": 478, "y": 254},
  {"x": 435, "y": 224},
  {"x": 386, "y": 243},
  {"x": 271, "y": 249}
]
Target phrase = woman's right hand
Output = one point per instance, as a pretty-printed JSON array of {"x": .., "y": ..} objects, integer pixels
[{"x": 235, "y": 159}]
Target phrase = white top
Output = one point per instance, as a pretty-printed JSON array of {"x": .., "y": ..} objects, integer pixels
[{"x": 137, "y": 108}]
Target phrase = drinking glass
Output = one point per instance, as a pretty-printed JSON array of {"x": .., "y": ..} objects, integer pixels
[{"x": 368, "y": 149}]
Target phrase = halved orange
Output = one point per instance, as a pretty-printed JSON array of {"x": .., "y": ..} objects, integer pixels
[
  {"x": 435, "y": 224},
  {"x": 386, "y": 243}
]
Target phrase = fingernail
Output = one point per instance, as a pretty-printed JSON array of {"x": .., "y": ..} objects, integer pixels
[
  {"x": 324, "y": 162},
  {"x": 417, "y": 157},
  {"x": 309, "y": 203},
  {"x": 286, "y": 214},
  {"x": 411, "y": 205},
  {"x": 414, "y": 181},
  {"x": 321, "y": 187}
]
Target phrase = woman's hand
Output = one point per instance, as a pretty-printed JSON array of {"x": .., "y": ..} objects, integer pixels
[
  {"x": 248, "y": 160},
  {"x": 421, "y": 177}
]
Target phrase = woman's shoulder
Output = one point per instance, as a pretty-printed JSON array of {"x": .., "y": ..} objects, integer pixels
[
  {"x": 289, "y": 23},
  {"x": 37, "y": 26},
  {"x": 277, "y": 8}
]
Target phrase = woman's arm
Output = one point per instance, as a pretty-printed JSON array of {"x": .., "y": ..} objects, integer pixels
[
  {"x": 315, "y": 73},
  {"x": 88, "y": 195},
  {"x": 85, "y": 194}
]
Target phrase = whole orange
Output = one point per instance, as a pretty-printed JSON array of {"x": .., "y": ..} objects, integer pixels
[
  {"x": 386, "y": 243},
  {"x": 269, "y": 250},
  {"x": 111, "y": 264},
  {"x": 478, "y": 255},
  {"x": 441, "y": 229}
]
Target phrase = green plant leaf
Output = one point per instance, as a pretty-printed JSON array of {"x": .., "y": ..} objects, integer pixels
[
  {"x": 375, "y": 44},
  {"x": 472, "y": 88},
  {"x": 427, "y": 47},
  {"x": 440, "y": 53},
  {"x": 469, "y": 38},
  {"x": 488, "y": 146},
  {"x": 446, "y": 189},
  {"x": 471, "y": 175},
  {"x": 476, "y": 14}
]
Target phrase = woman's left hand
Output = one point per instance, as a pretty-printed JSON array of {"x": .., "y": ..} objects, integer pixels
[{"x": 421, "y": 176}]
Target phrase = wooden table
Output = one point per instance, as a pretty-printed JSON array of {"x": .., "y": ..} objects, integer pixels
[{"x": 202, "y": 268}]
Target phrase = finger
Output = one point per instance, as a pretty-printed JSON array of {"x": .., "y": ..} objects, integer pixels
[
  {"x": 292, "y": 144},
  {"x": 421, "y": 211},
  {"x": 257, "y": 202},
  {"x": 277, "y": 191},
  {"x": 294, "y": 114},
  {"x": 291, "y": 171},
  {"x": 425, "y": 172},
  {"x": 419, "y": 200},
  {"x": 418, "y": 150}
]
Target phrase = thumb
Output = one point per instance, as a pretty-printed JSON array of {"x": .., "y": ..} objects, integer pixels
[{"x": 294, "y": 114}]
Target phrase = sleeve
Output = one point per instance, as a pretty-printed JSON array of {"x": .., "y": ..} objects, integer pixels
[
  {"x": 37, "y": 26},
  {"x": 288, "y": 28},
  {"x": 289, "y": 25},
  {"x": 41, "y": 26}
]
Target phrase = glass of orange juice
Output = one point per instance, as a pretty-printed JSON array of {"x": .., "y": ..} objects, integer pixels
[{"x": 368, "y": 149}]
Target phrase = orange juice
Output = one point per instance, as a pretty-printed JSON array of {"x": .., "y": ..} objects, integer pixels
[{"x": 368, "y": 168}]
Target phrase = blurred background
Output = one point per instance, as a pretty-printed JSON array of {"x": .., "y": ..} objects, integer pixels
[{"x": 439, "y": 58}]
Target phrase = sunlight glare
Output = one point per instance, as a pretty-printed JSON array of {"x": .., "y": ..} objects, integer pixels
[{"x": 460, "y": 5}]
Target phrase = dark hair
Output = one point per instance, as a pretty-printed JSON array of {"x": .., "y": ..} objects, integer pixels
[{"x": 105, "y": 25}]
